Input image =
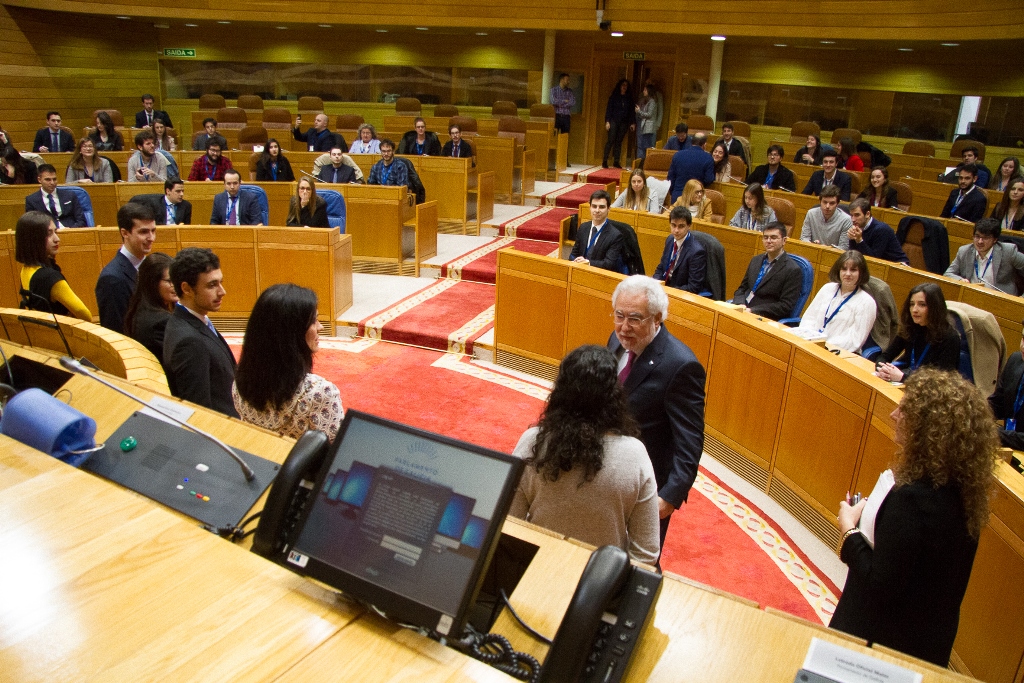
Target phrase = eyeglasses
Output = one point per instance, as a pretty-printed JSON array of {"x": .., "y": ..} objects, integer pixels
[
  {"x": 771, "y": 238},
  {"x": 623, "y": 319}
]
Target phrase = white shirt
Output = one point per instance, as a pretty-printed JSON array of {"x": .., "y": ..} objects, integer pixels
[
  {"x": 850, "y": 327},
  {"x": 131, "y": 257}
]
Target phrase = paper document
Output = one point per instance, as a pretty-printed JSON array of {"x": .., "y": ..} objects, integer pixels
[{"x": 847, "y": 666}]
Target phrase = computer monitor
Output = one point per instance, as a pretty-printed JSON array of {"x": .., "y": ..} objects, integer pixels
[{"x": 405, "y": 520}]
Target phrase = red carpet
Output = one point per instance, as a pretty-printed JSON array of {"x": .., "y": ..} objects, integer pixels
[
  {"x": 540, "y": 224},
  {"x": 571, "y": 196},
  {"x": 448, "y": 316},
  {"x": 480, "y": 265},
  {"x": 601, "y": 175}
]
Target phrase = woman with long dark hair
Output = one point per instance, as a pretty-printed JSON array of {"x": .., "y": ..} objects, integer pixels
[
  {"x": 104, "y": 136},
  {"x": 87, "y": 166},
  {"x": 848, "y": 157},
  {"x": 619, "y": 118},
  {"x": 273, "y": 164},
  {"x": 151, "y": 304},
  {"x": 910, "y": 546},
  {"x": 587, "y": 474},
  {"x": 275, "y": 387},
  {"x": 646, "y": 109},
  {"x": 16, "y": 170},
  {"x": 1010, "y": 209},
  {"x": 755, "y": 212},
  {"x": 925, "y": 337},
  {"x": 306, "y": 208},
  {"x": 811, "y": 152},
  {"x": 1007, "y": 171},
  {"x": 164, "y": 141},
  {"x": 35, "y": 247},
  {"x": 879, "y": 192},
  {"x": 842, "y": 311},
  {"x": 723, "y": 167}
]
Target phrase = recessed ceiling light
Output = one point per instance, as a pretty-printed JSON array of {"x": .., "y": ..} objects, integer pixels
[
  {"x": 780, "y": 45},
  {"x": 382, "y": 30},
  {"x": 191, "y": 25},
  {"x": 324, "y": 25},
  {"x": 223, "y": 22},
  {"x": 161, "y": 25},
  {"x": 421, "y": 28},
  {"x": 481, "y": 33},
  {"x": 906, "y": 49},
  {"x": 718, "y": 38},
  {"x": 950, "y": 44},
  {"x": 616, "y": 34},
  {"x": 828, "y": 42},
  {"x": 519, "y": 30},
  {"x": 281, "y": 28},
  {"x": 124, "y": 17}
]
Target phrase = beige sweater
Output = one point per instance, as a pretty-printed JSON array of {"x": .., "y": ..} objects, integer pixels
[{"x": 619, "y": 506}]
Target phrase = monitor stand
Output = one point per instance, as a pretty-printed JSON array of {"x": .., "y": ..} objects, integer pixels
[{"x": 511, "y": 558}]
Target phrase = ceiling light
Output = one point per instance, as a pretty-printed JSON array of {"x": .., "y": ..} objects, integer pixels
[
  {"x": 223, "y": 22},
  {"x": 616, "y": 34},
  {"x": 828, "y": 42},
  {"x": 324, "y": 25},
  {"x": 718, "y": 38},
  {"x": 161, "y": 25},
  {"x": 481, "y": 33},
  {"x": 281, "y": 28},
  {"x": 382, "y": 30},
  {"x": 950, "y": 44},
  {"x": 906, "y": 49},
  {"x": 519, "y": 30},
  {"x": 192, "y": 25},
  {"x": 124, "y": 17},
  {"x": 421, "y": 28},
  {"x": 780, "y": 45}
]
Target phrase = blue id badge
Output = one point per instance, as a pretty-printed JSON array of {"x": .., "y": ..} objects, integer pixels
[{"x": 1011, "y": 424}]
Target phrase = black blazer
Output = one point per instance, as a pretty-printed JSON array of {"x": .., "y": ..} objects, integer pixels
[
  {"x": 784, "y": 178},
  {"x": 906, "y": 592},
  {"x": 248, "y": 209},
  {"x": 817, "y": 181},
  {"x": 141, "y": 121},
  {"x": 43, "y": 139},
  {"x": 318, "y": 219},
  {"x": 113, "y": 290},
  {"x": 665, "y": 391},
  {"x": 345, "y": 174},
  {"x": 284, "y": 170},
  {"x": 199, "y": 365},
  {"x": 779, "y": 290},
  {"x": 1003, "y": 398},
  {"x": 736, "y": 149},
  {"x": 465, "y": 151},
  {"x": 148, "y": 328},
  {"x": 889, "y": 201},
  {"x": 972, "y": 208},
  {"x": 431, "y": 145},
  {"x": 72, "y": 212},
  {"x": 607, "y": 251},
  {"x": 691, "y": 265},
  {"x": 183, "y": 211}
]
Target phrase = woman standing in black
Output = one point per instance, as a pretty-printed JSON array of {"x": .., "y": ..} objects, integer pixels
[{"x": 619, "y": 118}]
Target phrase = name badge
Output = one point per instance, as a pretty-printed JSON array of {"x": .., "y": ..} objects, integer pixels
[
  {"x": 311, "y": 148},
  {"x": 1011, "y": 425},
  {"x": 750, "y": 296}
]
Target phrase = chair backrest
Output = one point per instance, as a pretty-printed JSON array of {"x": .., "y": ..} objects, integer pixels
[
  {"x": 261, "y": 197},
  {"x": 349, "y": 121},
  {"x": 919, "y": 148},
  {"x": 658, "y": 160},
  {"x": 311, "y": 103},
  {"x": 737, "y": 168},
  {"x": 717, "y": 205},
  {"x": 211, "y": 101},
  {"x": 741, "y": 128},
  {"x": 445, "y": 110},
  {"x": 115, "y": 171},
  {"x": 512, "y": 127},
  {"x": 887, "y": 317},
  {"x": 912, "y": 244},
  {"x": 250, "y": 102},
  {"x": 542, "y": 111},
  {"x": 658, "y": 189},
  {"x": 115, "y": 116},
  {"x": 254, "y": 159},
  {"x": 801, "y": 129},
  {"x": 856, "y": 182},
  {"x": 252, "y": 135},
  {"x": 700, "y": 123},
  {"x": 504, "y": 108},
  {"x": 467, "y": 123},
  {"x": 806, "y": 283},
  {"x": 277, "y": 118},
  {"x": 335, "y": 208},
  {"x": 840, "y": 133},
  {"x": 716, "y": 263},
  {"x": 785, "y": 212},
  {"x": 84, "y": 201},
  {"x": 904, "y": 194},
  {"x": 408, "y": 106},
  {"x": 957, "y": 150},
  {"x": 232, "y": 117}
]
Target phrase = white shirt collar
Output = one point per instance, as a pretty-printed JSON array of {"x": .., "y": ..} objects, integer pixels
[{"x": 131, "y": 257}]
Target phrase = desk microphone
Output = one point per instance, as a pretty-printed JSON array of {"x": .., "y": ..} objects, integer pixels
[
  {"x": 738, "y": 180},
  {"x": 55, "y": 325},
  {"x": 76, "y": 367},
  {"x": 783, "y": 189}
]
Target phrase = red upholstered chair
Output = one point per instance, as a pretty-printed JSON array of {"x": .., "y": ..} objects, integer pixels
[
  {"x": 912, "y": 244},
  {"x": 211, "y": 101},
  {"x": 408, "y": 106},
  {"x": 467, "y": 123},
  {"x": 446, "y": 110},
  {"x": 250, "y": 102},
  {"x": 904, "y": 195},
  {"x": 717, "y": 205},
  {"x": 785, "y": 212},
  {"x": 700, "y": 123},
  {"x": 232, "y": 118},
  {"x": 277, "y": 118},
  {"x": 542, "y": 111},
  {"x": 115, "y": 116},
  {"x": 251, "y": 136},
  {"x": 504, "y": 108},
  {"x": 512, "y": 127},
  {"x": 349, "y": 121},
  {"x": 738, "y": 169},
  {"x": 919, "y": 148}
]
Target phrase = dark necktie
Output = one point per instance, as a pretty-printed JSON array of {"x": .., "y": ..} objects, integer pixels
[
  {"x": 672, "y": 261},
  {"x": 334, "y": 179},
  {"x": 455, "y": 150},
  {"x": 624, "y": 373},
  {"x": 593, "y": 238},
  {"x": 232, "y": 217},
  {"x": 56, "y": 142}
]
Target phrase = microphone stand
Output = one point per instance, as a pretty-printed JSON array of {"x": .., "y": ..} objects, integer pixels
[{"x": 76, "y": 367}]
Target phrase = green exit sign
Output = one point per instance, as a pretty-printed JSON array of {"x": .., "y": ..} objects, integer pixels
[
  {"x": 636, "y": 56},
  {"x": 179, "y": 52}
]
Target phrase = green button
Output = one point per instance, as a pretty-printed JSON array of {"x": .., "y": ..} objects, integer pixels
[{"x": 129, "y": 444}]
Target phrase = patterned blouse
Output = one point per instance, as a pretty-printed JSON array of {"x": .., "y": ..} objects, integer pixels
[{"x": 316, "y": 405}]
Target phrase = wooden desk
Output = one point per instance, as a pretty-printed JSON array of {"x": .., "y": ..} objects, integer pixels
[{"x": 506, "y": 160}]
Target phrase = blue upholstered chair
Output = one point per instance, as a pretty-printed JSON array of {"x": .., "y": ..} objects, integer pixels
[
  {"x": 261, "y": 197},
  {"x": 807, "y": 270},
  {"x": 84, "y": 201},
  {"x": 335, "y": 208}
]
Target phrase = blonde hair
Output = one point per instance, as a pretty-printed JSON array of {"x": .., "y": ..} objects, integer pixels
[{"x": 689, "y": 190}]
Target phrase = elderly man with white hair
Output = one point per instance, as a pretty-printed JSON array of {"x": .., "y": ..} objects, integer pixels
[{"x": 664, "y": 383}]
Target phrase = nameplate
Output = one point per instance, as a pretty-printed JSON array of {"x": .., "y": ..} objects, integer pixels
[{"x": 842, "y": 665}]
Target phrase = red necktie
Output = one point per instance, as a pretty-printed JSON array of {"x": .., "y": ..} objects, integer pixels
[
  {"x": 624, "y": 373},
  {"x": 672, "y": 262}
]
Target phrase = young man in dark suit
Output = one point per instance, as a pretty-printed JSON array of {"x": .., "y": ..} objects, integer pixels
[
  {"x": 683, "y": 262},
  {"x": 771, "y": 286},
  {"x": 199, "y": 364},
  {"x": 170, "y": 208},
  {"x": 53, "y": 138},
  {"x": 145, "y": 118},
  {"x": 828, "y": 174},
  {"x": 773, "y": 175},
  {"x": 664, "y": 384},
  {"x": 599, "y": 241},
  {"x": 732, "y": 145},
  {"x": 234, "y": 207},
  {"x": 457, "y": 147},
  {"x": 967, "y": 202},
  {"x": 61, "y": 204},
  {"x": 117, "y": 279}
]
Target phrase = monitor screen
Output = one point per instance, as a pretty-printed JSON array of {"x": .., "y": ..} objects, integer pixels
[{"x": 405, "y": 520}]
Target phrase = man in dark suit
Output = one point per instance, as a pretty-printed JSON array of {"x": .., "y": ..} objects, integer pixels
[
  {"x": 234, "y": 207},
  {"x": 457, "y": 147},
  {"x": 144, "y": 118},
  {"x": 199, "y": 364},
  {"x": 1004, "y": 401},
  {"x": 202, "y": 140},
  {"x": 337, "y": 171},
  {"x": 684, "y": 262},
  {"x": 318, "y": 138},
  {"x": 689, "y": 163},
  {"x": 170, "y": 208},
  {"x": 117, "y": 279},
  {"x": 680, "y": 140},
  {"x": 732, "y": 145},
  {"x": 773, "y": 175},
  {"x": 771, "y": 286},
  {"x": 871, "y": 237},
  {"x": 664, "y": 384},
  {"x": 599, "y": 240},
  {"x": 62, "y": 205},
  {"x": 967, "y": 202},
  {"x": 52, "y": 138},
  {"x": 828, "y": 174}
]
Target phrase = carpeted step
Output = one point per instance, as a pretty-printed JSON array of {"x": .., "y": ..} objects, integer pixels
[
  {"x": 571, "y": 196},
  {"x": 481, "y": 264},
  {"x": 543, "y": 223}
]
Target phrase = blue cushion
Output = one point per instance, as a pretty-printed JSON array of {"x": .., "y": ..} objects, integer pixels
[
  {"x": 84, "y": 200},
  {"x": 335, "y": 208},
  {"x": 261, "y": 197}
]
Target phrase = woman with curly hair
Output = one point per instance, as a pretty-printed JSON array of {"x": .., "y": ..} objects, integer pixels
[
  {"x": 925, "y": 336},
  {"x": 910, "y": 547},
  {"x": 587, "y": 474}
]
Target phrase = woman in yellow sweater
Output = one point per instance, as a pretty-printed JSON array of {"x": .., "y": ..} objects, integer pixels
[{"x": 36, "y": 243}]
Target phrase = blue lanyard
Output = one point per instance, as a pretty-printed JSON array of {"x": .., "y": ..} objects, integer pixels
[
  {"x": 988, "y": 262},
  {"x": 419, "y": 147},
  {"x": 914, "y": 362},
  {"x": 769, "y": 179},
  {"x": 273, "y": 169},
  {"x": 829, "y": 318},
  {"x": 211, "y": 169},
  {"x": 963, "y": 195},
  {"x": 760, "y": 276},
  {"x": 1018, "y": 403},
  {"x": 753, "y": 221},
  {"x": 385, "y": 173}
]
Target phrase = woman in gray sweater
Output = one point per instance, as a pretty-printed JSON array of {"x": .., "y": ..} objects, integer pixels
[{"x": 587, "y": 474}]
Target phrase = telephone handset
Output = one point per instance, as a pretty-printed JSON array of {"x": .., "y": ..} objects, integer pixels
[
  {"x": 609, "y": 610},
  {"x": 291, "y": 490}
]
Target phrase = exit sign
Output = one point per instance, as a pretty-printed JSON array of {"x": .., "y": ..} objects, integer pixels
[
  {"x": 636, "y": 56},
  {"x": 179, "y": 52}
]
